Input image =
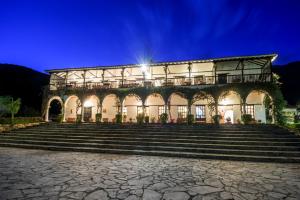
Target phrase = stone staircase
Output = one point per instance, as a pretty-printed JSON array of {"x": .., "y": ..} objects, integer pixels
[{"x": 265, "y": 143}]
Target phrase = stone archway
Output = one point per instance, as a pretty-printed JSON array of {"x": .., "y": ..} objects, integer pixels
[
  {"x": 200, "y": 107},
  {"x": 52, "y": 100},
  {"x": 110, "y": 107},
  {"x": 178, "y": 107},
  {"x": 259, "y": 104},
  {"x": 154, "y": 106},
  {"x": 72, "y": 108},
  {"x": 229, "y": 107},
  {"x": 132, "y": 106},
  {"x": 91, "y": 106}
]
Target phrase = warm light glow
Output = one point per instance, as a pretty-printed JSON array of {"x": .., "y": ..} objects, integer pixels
[
  {"x": 87, "y": 103},
  {"x": 144, "y": 67},
  {"x": 225, "y": 102}
]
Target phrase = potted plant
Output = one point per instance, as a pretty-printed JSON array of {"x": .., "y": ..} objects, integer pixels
[
  {"x": 147, "y": 119},
  {"x": 140, "y": 118},
  {"x": 98, "y": 117},
  {"x": 216, "y": 119},
  {"x": 190, "y": 119},
  {"x": 246, "y": 118},
  {"x": 78, "y": 118},
  {"x": 130, "y": 120},
  {"x": 118, "y": 118},
  {"x": 163, "y": 118}
]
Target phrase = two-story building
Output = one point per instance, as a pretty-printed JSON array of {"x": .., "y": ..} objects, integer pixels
[{"x": 199, "y": 87}]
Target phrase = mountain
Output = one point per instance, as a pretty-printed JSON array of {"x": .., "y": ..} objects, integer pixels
[
  {"x": 25, "y": 83},
  {"x": 289, "y": 77}
]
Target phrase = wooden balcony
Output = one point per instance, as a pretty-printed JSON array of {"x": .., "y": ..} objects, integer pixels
[{"x": 167, "y": 82}]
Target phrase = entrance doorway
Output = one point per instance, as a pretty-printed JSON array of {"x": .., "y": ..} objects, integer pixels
[{"x": 87, "y": 115}]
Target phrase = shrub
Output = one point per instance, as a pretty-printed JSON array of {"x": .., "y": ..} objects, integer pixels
[
  {"x": 78, "y": 118},
  {"x": 98, "y": 117},
  {"x": 147, "y": 119},
  {"x": 118, "y": 118},
  {"x": 190, "y": 119},
  {"x": 216, "y": 119},
  {"x": 21, "y": 120},
  {"x": 140, "y": 118},
  {"x": 163, "y": 118},
  {"x": 246, "y": 118}
]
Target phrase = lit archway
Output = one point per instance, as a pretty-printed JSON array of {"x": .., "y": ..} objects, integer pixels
[
  {"x": 154, "y": 107},
  {"x": 91, "y": 106},
  {"x": 200, "y": 107},
  {"x": 54, "y": 108},
  {"x": 178, "y": 107},
  {"x": 260, "y": 105},
  {"x": 72, "y": 108},
  {"x": 110, "y": 107},
  {"x": 132, "y": 106},
  {"x": 229, "y": 107}
]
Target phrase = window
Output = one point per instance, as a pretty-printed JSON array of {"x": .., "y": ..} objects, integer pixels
[
  {"x": 161, "y": 110},
  {"x": 250, "y": 110},
  {"x": 200, "y": 112},
  {"x": 182, "y": 112}
]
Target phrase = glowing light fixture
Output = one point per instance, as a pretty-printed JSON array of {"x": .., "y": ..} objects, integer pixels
[
  {"x": 87, "y": 103},
  {"x": 144, "y": 68}
]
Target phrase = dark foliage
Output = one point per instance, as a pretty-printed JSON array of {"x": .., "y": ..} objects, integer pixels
[
  {"x": 27, "y": 84},
  {"x": 289, "y": 77}
]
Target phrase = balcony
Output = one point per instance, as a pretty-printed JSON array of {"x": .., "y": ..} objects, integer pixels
[{"x": 195, "y": 81}]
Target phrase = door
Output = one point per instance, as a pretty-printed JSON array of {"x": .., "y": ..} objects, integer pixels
[
  {"x": 200, "y": 113},
  {"x": 87, "y": 116}
]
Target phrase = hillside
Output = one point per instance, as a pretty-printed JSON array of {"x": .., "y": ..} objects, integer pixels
[
  {"x": 25, "y": 83},
  {"x": 289, "y": 77}
]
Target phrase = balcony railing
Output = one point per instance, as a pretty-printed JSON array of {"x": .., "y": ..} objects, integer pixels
[{"x": 159, "y": 82}]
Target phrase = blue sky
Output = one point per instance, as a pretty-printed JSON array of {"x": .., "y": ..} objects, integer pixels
[{"x": 46, "y": 34}]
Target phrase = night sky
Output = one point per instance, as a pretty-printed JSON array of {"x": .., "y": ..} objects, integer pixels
[{"x": 46, "y": 34}]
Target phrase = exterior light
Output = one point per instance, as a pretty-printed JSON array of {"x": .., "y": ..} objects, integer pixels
[
  {"x": 144, "y": 68},
  {"x": 87, "y": 103}
]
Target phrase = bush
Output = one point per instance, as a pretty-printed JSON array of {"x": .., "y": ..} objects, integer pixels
[
  {"x": 163, "y": 118},
  {"x": 78, "y": 118},
  {"x": 140, "y": 118},
  {"x": 147, "y": 119},
  {"x": 246, "y": 118},
  {"x": 118, "y": 118},
  {"x": 190, "y": 119},
  {"x": 21, "y": 120},
  {"x": 216, "y": 119},
  {"x": 98, "y": 117}
]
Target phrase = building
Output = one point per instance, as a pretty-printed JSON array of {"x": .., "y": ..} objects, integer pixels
[{"x": 231, "y": 86}]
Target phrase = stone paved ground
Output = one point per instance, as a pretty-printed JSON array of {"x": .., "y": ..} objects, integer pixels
[{"x": 36, "y": 174}]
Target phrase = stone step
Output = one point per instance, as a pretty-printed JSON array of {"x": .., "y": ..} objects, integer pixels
[
  {"x": 170, "y": 137},
  {"x": 120, "y": 131},
  {"x": 162, "y": 148},
  {"x": 168, "y": 140},
  {"x": 206, "y": 144},
  {"x": 258, "y": 158}
]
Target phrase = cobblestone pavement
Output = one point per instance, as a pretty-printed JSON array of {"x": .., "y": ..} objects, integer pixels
[{"x": 36, "y": 174}]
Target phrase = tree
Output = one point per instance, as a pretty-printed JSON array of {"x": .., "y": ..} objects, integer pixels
[{"x": 11, "y": 105}]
